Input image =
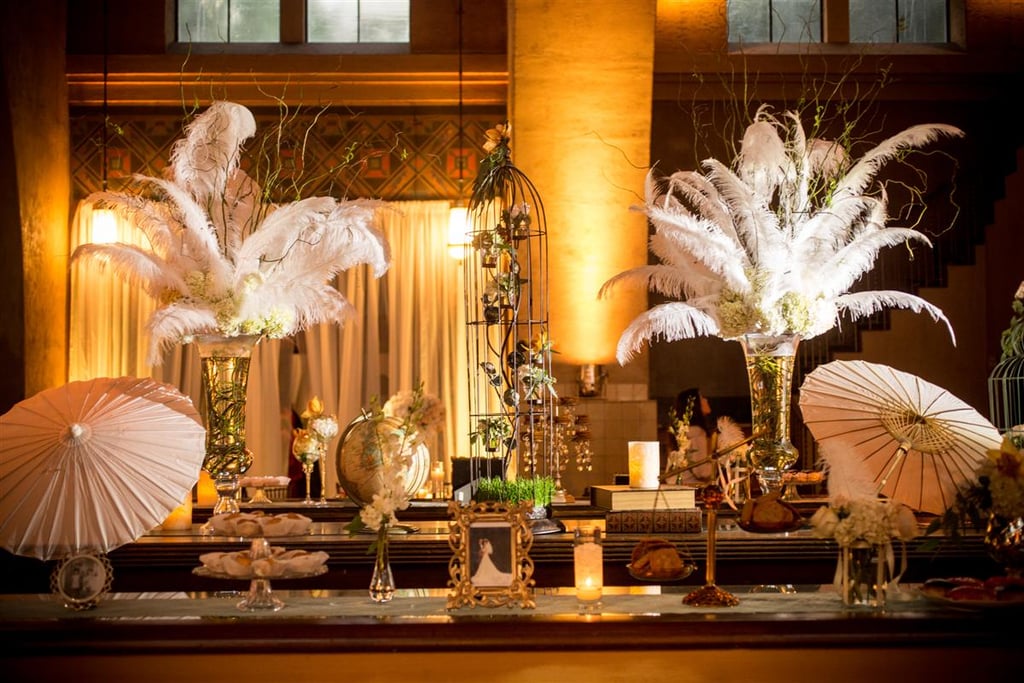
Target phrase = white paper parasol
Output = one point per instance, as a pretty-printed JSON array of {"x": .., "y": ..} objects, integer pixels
[
  {"x": 93, "y": 465},
  {"x": 917, "y": 441}
]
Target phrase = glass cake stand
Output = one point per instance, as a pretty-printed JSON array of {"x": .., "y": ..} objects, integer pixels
[{"x": 260, "y": 596}]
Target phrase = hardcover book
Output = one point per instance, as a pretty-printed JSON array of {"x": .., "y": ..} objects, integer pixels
[
  {"x": 619, "y": 497},
  {"x": 678, "y": 521}
]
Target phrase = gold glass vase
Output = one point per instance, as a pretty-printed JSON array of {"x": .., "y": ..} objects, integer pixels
[
  {"x": 769, "y": 361},
  {"x": 225, "y": 378},
  {"x": 1004, "y": 539}
]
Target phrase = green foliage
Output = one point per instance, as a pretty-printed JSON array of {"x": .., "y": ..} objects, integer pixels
[{"x": 540, "y": 490}]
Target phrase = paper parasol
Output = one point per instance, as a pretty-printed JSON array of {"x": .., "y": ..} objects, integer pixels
[
  {"x": 93, "y": 465},
  {"x": 917, "y": 441}
]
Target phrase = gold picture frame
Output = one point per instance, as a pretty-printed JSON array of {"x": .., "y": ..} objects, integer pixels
[
  {"x": 82, "y": 579},
  {"x": 490, "y": 564}
]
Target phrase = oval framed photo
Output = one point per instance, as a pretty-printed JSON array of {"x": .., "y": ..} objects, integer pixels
[{"x": 82, "y": 579}]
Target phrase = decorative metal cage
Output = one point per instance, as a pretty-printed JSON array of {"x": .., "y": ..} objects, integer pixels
[{"x": 1006, "y": 393}]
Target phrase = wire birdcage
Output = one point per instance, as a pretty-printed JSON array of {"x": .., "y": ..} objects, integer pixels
[
  {"x": 1006, "y": 393},
  {"x": 509, "y": 357}
]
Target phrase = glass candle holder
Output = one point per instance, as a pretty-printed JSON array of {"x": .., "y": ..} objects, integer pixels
[{"x": 588, "y": 564}]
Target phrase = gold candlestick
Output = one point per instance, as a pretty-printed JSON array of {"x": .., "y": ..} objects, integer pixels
[{"x": 710, "y": 595}]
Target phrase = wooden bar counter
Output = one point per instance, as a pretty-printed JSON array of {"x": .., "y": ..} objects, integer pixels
[
  {"x": 642, "y": 634},
  {"x": 163, "y": 623},
  {"x": 163, "y": 560}
]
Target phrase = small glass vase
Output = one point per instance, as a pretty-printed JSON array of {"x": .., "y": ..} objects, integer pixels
[
  {"x": 382, "y": 584},
  {"x": 1004, "y": 539},
  {"x": 225, "y": 378},
  {"x": 769, "y": 361},
  {"x": 864, "y": 575}
]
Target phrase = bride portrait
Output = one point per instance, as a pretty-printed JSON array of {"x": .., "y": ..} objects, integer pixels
[{"x": 489, "y": 566}]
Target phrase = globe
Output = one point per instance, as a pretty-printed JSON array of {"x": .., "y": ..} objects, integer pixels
[{"x": 358, "y": 459}]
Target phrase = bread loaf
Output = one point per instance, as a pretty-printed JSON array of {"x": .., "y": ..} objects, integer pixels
[{"x": 656, "y": 558}]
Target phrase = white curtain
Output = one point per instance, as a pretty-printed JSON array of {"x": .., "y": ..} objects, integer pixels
[{"x": 409, "y": 327}]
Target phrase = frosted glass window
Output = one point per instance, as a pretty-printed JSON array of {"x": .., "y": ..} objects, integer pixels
[
  {"x": 203, "y": 21},
  {"x": 870, "y": 21},
  {"x": 899, "y": 21},
  {"x": 357, "y": 21},
  {"x": 774, "y": 21},
  {"x": 332, "y": 21},
  {"x": 259, "y": 21},
  {"x": 229, "y": 21}
]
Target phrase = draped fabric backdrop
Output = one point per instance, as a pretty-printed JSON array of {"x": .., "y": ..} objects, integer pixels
[{"x": 409, "y": 327}]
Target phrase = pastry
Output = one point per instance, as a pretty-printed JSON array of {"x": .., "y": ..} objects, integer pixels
[
  {"x": 656, "y": 558},
  {"x": 769, "y": 513}
]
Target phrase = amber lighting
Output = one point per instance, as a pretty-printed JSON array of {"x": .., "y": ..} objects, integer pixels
[
  {"x": 103, "y": 226},
  {"x": 586, "y": 148}
]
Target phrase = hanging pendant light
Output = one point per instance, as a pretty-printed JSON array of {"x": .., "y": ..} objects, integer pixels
[
  {"x": 103, "y": 224},
  {"x": 458, "y": 215}
]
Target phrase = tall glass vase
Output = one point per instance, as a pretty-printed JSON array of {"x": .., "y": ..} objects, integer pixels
[
  {"x": 769, "y": 362},
  {"x": 225, "y": 377}
]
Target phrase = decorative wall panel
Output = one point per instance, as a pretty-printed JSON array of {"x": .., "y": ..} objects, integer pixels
[{"x": 385, "y": 155}]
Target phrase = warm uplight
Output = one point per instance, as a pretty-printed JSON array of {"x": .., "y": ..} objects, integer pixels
[
  {"x": 601, "y": 150},
  {"x": 103, "y": 229},
  {"x": 458, "y": 232}
]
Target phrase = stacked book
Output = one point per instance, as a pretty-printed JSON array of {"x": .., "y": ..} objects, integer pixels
[{"x": 667, "y": 509}]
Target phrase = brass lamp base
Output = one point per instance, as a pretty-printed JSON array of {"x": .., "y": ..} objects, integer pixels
[{"x": 711, "y": 596}]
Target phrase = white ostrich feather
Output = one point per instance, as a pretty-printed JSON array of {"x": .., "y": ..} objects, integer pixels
[
  {"x": 729, "y": 433},
  {"x": 847, "y": 476},
  {"x": 865, "y": 168},
  {"x": 772, "y": 243},
  {"x": 224, "y": 261},
  {"x": 669, "y": 322},
  {"x": 862, "y": 304},
  {"x": 135, "y": 265},
  {"x": 204, "y": 160}
]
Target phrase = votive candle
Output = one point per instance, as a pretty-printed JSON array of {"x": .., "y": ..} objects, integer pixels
[
  {"x": 588, "y": 566},
  {"x": 180, "y": 517},
  {"x": 206, "y": 492},
  {"x": 644, "y": 464}
]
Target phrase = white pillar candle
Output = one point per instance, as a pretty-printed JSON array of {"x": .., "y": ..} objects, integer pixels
[{"x": 644, "y": 464}]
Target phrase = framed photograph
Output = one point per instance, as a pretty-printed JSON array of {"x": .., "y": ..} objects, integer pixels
[
  {"x": 490, "y": 564},
  {"x": 81, "y": 580}
]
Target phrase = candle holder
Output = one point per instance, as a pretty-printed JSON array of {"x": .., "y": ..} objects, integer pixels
[
  {"x": 710, "y": 595},
  {"x": 588, "y": 565}
]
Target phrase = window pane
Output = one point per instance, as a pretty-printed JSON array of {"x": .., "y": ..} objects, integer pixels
[
  {"x": 748, "y": 21},
  {"x": 384, "y": 21},
  {"x": 796, "y": 21},
  {"x": 255, "y": 21},
  {"x": 332, "y": 21},
  {"x": 203, "y": 21},
  {"x": 922, "y": 21},
  {"x": 872, "y": 21}
]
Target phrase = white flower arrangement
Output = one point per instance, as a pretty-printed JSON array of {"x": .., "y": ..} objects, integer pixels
[
  {"x": 1003, "y": 474},
  {"x": 310, "y": 442},
  {"x": 423, "y": 413},
  {"x": 222, "y": 257},
  {"x": 875, "y": 521},
  {"x": 772, "y": 244}
]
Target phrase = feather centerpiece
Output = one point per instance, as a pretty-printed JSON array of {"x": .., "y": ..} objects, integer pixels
[
  {"x": 222, "y": 257},
  {"x": 772, "y": 244}
]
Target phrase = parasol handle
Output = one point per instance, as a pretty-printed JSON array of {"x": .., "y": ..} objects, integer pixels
[
  {"x": 668, "y": 474},
  {"x": 901, "y": 453}
]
